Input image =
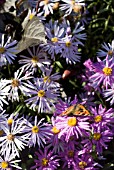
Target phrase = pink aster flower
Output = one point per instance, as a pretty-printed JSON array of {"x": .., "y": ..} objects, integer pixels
[
  {"x": 102, "y": 73},
  {"x": 72, "y": 126},
  {"x": 102, "y": 117},
  {"x": 46, "y": 160}
]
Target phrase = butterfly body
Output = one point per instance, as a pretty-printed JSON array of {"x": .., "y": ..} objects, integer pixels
[{"x": 77, "y": 110}]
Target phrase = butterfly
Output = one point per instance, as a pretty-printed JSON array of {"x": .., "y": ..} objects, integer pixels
[{"x": 77, "y": 110}]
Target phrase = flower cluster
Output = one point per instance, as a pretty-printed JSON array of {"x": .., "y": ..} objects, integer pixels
[{"x": 43, "y": 127}]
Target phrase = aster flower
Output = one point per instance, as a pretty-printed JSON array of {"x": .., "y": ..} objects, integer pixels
[
  {"x": 54, "y": 32},
  {"x": 13, "y": 86},
  {"x": 68, "y": 156},
  {"x": 37, "y": 59},
  {"x": 102, "y": 118},
  {"x": 85, "y": 161},
  {"x": 48, "y": 76},
  {"x": 46, "y": 160},
  {"x": 44, "y": 95},
  {"x": 109, "y": 94},
  {"x": 72, "y": 5},
  {"x": 47, "y": 6},
  {"x": 38, "y": 133},
  {"x": 107, "y": 49},
  {"x": 54, "y": 141},
  {"x": 70, "y": 50},
  {"x": 72, "y": 126},
  {"x": 14, "y": 140},
  {"x": 100, "y": 138},
  {"x": 3, "y": 95},
  {"x": 9, "y": 162},
  {"x": 8, "y": 50},
  {"x": 61, "y": 105},
  {"x": 102, "y": 73},
  {"x": 78, "y": 36},
  {"x": 86, "y": 99}
]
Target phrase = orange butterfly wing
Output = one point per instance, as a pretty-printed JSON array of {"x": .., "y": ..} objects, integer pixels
[{"x": 76, "y": 110}]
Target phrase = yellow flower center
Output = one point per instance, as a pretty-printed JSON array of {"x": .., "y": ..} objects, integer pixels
[
  {"x": 70, "y": 153},
  {"x": 4, "y": 164},
  {"x": 54, "y": 39},
  {"x": 56, "y": 5},
  {"x": 46, "y": 2},
  {"x": 2, "y": 50},
  {"x": 77, "y": 8},
  {"x": 44, "y": 162},
  {"x": 96, "y": 136},
  {"x": 1, "y": 132},
  {"x": 35, "y": 129},
  {"x": 72, "y": 121},
  {"x": 34, "y": 60},
  {"x": 110, "y": 52},
  {"x": 46, "y": 78},
  {"x": 82, "y": 164},
  {"x": 72, "y": 2},
  {"x": 9, "y": 121},
  {"x": 68, "y": 43},
  {"x": 55, "y": 130},
  {"x": 10, "y": 137},
  {"x": 31, "y": 16},
  {"x": 107, "y": 71},
  {"x": 15, "y": 83},
  {"x": 98, "y": 118},
  {"x": 41, "y": 93}
]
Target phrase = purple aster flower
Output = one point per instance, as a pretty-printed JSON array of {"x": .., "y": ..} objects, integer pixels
[
  {"x": 85, "y": 161},
  {"x": 68, "y": 156},
  {"x": 72, "y": 126},
  {"x": 61, "y": 106},
  {"x": 8, "y": 50},
  {"x": 37, "y": 59},
  {"x": 102, "y": 73},
  {"x": 100, "y": 138},
  {"x": 44, "y": 95},
  {"x": 101, "y": 117},
  {"x": 109, "y": 94},
  {"x": 38, "y": 133},
  {"x": 54, "y": 142},
  {"x": 107, "y": 49},
  {"x": 46, "y": 160}
]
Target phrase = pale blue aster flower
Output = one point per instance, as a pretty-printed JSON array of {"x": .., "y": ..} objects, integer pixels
[
  {"x": 107, "y": 49},
  {"x": 8, "y": 50},
  {"x": 19, "y": 82},
  {"x": 54, "y": 32},
  {"x": 37, "y": 59},
  {"x": 9, "y": 161},
  {"x": 109, "y": 94},
  {"x": 70, "y": 50},
  {"x": 71, "y": 5},
  {"x": 47, "y": 6},
  {"x": 14, "y": 140},
  {"x": 38, "y": 132},
  {"x": 43, "y": 96}
]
